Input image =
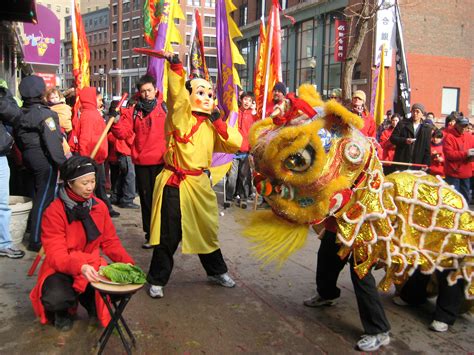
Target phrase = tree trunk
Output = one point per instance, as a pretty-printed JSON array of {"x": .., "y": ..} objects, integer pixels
[{"x": 360, "y": 31}]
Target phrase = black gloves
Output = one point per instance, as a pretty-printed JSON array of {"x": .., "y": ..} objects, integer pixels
[
  {"x": 174, "y": 59},
  {"x": 215, "y": 115}
]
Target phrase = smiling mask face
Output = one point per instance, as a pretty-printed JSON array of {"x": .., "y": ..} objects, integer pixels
[{"x": 202, "y": 96}]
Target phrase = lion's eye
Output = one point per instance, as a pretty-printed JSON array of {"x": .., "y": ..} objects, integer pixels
[{"x": 300, "y": 161}]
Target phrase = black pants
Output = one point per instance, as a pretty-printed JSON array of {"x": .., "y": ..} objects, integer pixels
[
  {"x": 146, "y": 176},
  {"x": 100, "y": 190},
  {"x": 162, "y": 261},
  {"x": 329, "y": 266},
  {"x": 45, "y": 180},
  {"x": 58, "y": 295},
  {"x": 449, "y": 298}
]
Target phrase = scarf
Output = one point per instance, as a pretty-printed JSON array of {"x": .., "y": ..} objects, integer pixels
[
  {"x": 78, "y": 209},
  {"x": 146, "y": 106}
]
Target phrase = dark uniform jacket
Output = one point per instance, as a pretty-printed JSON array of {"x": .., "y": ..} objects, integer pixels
[
  {"x": 38, "y": 133},
  {"x": 10, "y": 115},
  {"x": 418, "y": 152}
]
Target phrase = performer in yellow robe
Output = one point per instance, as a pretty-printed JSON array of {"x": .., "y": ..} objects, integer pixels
[{"x": 184, "y": 204}]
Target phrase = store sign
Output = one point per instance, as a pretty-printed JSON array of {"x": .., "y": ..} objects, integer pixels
[
  {"x": 385, "y": 32},
  {"x": 340, "y": 46},
  {"x": 49, "y": 79},
  {"x": 41, "y": 41}
]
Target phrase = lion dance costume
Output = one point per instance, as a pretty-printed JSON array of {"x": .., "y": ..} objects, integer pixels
[{"x": 313, "y": 163}]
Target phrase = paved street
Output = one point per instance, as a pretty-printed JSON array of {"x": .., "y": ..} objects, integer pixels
[{"x": 263, "y": 314}]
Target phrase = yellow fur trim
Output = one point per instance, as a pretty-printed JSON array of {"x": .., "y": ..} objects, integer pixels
[
  {"x": 308, "y": 93},
  {"x": 332, "y": 107},
  {"x": 275, "y": 238},
  {"x": 257, "y": 129}
]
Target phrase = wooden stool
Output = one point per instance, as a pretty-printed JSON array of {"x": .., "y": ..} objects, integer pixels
[{"x": 121, "y": 295}]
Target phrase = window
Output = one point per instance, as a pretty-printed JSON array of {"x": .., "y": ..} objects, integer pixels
[
  {"x": 126, "y": 84},
  {"x": 243, "y": 12},
  {"x": 114, "y": 46},
  {"x": 125, "y": 63},
  {"x": 176, "y": 21},
  {"x": 114, "y": 64},
  {"x": 95, "y": 69},
  {"x": 126, "y": 7},
  {"x": 209, "y": 21},
  {"x": 125, "y": 44},
  {"x": 114, "y": 10},
  {"x": 100, "y": 37},
  {"x": 58, "y": 8},
  {"x": 135, "y": 61},
  {"x": 193, "y": 2},
  {"x": 144, "y": 62},
  {"x": 211, "y": 62},
  {"x": 189, "y": 19},
  {"x": 210, "y": 3},
  {"x": 188, "y": 40},
  {"x": 126, "y": 26},
  {"x": 105, "y": 36},
  {"x": 100, "y": 54},
  {"x": 135, "y": 42},
  {"x": 49, "y": 6},
  {"x": 95, "y": 38},
  {"x": 67, "y": 9},
  {"x": 136, "y": 24},
  {"x": 449, "y": 100},
  {"x": 68, "y": 23},
  {"x": 136, "y": 5},
  {"x": 209, "y": 41},
  {"x": 114, "y": 28}
]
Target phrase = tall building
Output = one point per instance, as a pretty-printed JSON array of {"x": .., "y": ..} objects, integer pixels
[
  {"x": 438, "y": 43},
  {"x": 93, "y": 5},
  {"x": 126, "y": 30},
  {"x": 96, "y": 25}
]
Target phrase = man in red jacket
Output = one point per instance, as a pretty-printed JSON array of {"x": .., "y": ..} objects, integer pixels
[
  {"x": 145, "y": 120},
  {"x": 459, "y": 153},
  {"x": 91, "y": 126},
  {"x": 359, "y": 108}
]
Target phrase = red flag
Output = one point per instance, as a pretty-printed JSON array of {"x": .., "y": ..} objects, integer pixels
[
  {"x": 259, "y": 78},
  {"x": 80, "y": 49},
  {"x": 197, "y": 63}
]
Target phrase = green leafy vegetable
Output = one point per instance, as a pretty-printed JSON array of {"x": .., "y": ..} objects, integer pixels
[{"x": 123, "y": 273}]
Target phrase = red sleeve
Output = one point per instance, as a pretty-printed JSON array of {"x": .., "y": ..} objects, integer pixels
[
  {"x": 221, "y": 128},
  {"x": 84, "y": 137},
  {"x": 53, "y": 237},
  {"x": 177, "y": 68},
  {"x": 123, "y": 129},
  {"x": 111, "y": 245},
  {"x": 385, "y": 139},
  {"x": 450, "y": 151},
  {"x": 372, "y": 131}
]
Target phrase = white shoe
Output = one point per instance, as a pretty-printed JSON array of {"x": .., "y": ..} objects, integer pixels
[
  {"x": 318, "y": 301},
  {"x": 373, "y": 342},
  {"x": 399, "y": 301},
  {"x": 223, "y": 279},
  {"x": 438, "y": 326},
  {"x": 155, "y": 291}
]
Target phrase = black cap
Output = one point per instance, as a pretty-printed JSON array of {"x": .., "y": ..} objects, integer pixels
[
  {"x": 279, "y": 86},
  {"x": 462, "y": 121},
  {"x": 32, "y": 86}
]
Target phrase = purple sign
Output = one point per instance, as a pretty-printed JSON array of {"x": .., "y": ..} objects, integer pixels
[{"x": 41, "y": 41}]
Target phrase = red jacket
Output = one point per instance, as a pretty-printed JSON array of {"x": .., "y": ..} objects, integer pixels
[
  {"x": 246, "y": 119},
  {"x": 455, "y": 149},
  {"x": 66, "y": 250},
  {"x": 437, "y": 160},
  {"x": 369, "y": 129},
  {"x": 91, "y": 126},
  {"x": 388, "y": 149},
  {"x": 147, "y": 133}
]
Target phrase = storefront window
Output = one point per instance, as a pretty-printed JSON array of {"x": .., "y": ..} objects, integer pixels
[
  {"x": 331, "y": 70},
  {"x": 307, "y": 54}
]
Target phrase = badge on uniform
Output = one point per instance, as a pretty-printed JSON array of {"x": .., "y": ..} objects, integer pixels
[{"x": 50, "y": 123}]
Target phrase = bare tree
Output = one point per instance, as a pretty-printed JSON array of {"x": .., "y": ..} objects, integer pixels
[{"x": 361, "y": 20}]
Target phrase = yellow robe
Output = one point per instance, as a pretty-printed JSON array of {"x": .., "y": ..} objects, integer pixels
[{"x": 199, "y": 214}]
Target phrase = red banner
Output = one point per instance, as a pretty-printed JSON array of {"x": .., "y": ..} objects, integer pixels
[
  {"x": 49, "y": 79},
  {"x": 340, "y": 44}
]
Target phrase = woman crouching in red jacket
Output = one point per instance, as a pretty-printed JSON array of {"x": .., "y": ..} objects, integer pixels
[{"x": 75, "y": 227}]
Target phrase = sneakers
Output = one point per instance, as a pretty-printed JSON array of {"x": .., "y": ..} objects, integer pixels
[
  {"x": 438, "y": 326},
  {"x": 399, "y": 301},
  {"x": 12, "y": 253},
  {"x": 222, "y": 279},
  {"x": 62, "y": 321},
  {"x": 130, "y": 205},
  {"x": 147, "y": 245},
  {"x": 318, "y": 301},
  {"x": 373, "y": 342},
  {"x": 156, "y": 291},
  {"x": 114, "y": 214}
]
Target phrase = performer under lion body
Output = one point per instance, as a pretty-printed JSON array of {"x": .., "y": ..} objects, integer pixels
[{"x": 312, "y": 168}]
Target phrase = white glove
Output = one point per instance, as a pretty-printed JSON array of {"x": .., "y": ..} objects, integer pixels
[{"x": 470, "y": 153}]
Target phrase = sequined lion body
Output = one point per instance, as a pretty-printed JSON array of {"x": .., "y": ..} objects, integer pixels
[{"x": 313, "y": 168}]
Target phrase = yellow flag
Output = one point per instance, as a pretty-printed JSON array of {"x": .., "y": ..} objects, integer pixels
[{"x": 380, "y": 93}]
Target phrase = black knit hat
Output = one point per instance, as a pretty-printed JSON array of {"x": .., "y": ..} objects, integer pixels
[
  {"x": 280, "y": 87},
  {"x": 32, "y": 86},
  {"x": 77, "y": 166}
]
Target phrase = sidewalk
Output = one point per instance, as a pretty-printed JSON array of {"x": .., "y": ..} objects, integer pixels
[{"x": 263, "y": 314}]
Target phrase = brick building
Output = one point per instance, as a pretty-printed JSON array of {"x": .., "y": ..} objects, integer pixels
[
  {"x": 126, "y": 29},
  {"x": 439, "y": 38}
]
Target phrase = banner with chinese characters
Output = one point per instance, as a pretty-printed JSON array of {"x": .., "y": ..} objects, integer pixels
[
  {"x": 41, "y": 41},
  {"x": 403, "y": 90},
  {"x": 385, "y": 32},
  {"x": 340, "y": 46}
]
